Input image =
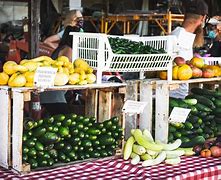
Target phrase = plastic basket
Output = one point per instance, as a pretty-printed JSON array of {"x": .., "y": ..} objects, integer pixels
[
  {"x": 212, "y": 60},
  {"x": 96, "y": 50}
]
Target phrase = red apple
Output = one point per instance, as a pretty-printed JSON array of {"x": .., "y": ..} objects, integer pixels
[
  {"x": 208, "y": 73},
  {"x": 179, "y": 60},
  {"x": 197, "y": 72}
]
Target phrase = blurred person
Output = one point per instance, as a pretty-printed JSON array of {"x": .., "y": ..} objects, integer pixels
[
  {"x": 189, "y": 36},
  {"x": 73, "y": 18},
  {"x": 55, "y": 101},
  {"x": 215, "y": 49}
]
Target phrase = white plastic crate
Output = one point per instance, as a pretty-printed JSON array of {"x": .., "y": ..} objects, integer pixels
[
  {"x": 96, "y": 50},
  {"x": 212, "y": 60}
]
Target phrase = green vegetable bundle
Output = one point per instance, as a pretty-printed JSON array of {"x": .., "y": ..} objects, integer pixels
[{"x": 126, "y": 46}]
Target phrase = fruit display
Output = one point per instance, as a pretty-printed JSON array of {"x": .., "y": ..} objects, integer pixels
[
  {"x": 65, "y": 138},
  {"x": 211, "y": 147},
  {"x": 141, "y": 146},
  {"x": 195, "y": 68},
  {"x": 19, "y": 75},
  {"x": 204, "y": 120}
]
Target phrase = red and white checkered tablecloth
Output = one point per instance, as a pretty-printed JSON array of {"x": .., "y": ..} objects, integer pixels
[{"x": 190, "y": 168}]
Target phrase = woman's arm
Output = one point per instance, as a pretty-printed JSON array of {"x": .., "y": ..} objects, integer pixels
[
  {"x": 52, "y": 41},
  {"x": 67, "y": 51}
]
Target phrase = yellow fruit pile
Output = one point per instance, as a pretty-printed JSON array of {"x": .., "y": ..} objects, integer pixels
[
  {"x": 195, "y": 68},
  {"x": 19, "y": 75}
]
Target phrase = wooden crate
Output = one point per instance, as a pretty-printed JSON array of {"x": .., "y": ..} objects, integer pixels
[
  {"x": 140, "y": 90},
  {"x": 5, "y": 124},
  {"x": 162, "y": 101},
  {"x": 103, "y": 101}
]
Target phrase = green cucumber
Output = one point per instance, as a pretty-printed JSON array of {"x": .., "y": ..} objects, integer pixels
[
  {"x": 190, "y": 101},
  {"x": 106, "y": 140},
  {"x": 202, "y": 114},
  {"x": 202, "y": 100},
  {"x": 159, "y": 159},
  {"x": 145, "y": 156},
  {"x": 39, "y": 131},
  {"x": 170, "y": 146},
  {"x": 138, "y": 149},
  {"x": 50, "y": 138},
  {"x": 209, "y": 117},
  {"x": 93, "y": 131},
  {"x": 128, "y": 148},
  {"x": 135, "y": 160},
  {"x": 197, "y": 140},
  {"x": 188, "y": 125},
  {"x": 202, "y": 107},
  {"x": 86, "y": 143},
  {"x": 141, "y": 140},
  {"x": 53, "y": 153},
  {"x": 49, "y": 120},
  {"x": 174, "y": 154},
  {"x": 217, "y": 102},
  {"x": 33, "y": 163},
  {"x": 204, "y": 91},
  {"x": 39, "y": 146},
  {"x": 30, "y": 143},
  {"x": 217, "y": 112},
  {"x": 173, "y": 102},
  {"x": 59, "y": 117},
  {"x": 63, "y": 131},
  {"x": 28, "y": 123},
  {"x": 67, "y": 122},
  {"x": 173, "y": 161}
]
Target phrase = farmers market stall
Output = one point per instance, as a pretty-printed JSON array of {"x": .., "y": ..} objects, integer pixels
[
  {"x": 66, "y": 139},
  {"x": 116, "y": 168}
]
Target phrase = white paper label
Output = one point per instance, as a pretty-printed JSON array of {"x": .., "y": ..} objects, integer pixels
[
  {"x": 134, "y": 107},
  {"x": 44, "y": 77},
  {"x": 179, "y": 114}
]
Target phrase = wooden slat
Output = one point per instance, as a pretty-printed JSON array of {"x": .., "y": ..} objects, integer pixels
[
  {"x": 5, "y": 125},
  {"x": 146, "y": 95},
  {"x": 104, "y": 105},
  {"x": 198, "y": 80},
  {"x": 34, "y": 19},
  {"x": 27, "y": 96},
  {"x": 72, "y": 87},
  {"x": 131, "y": 94},
  {"x": 17, "y": 130},
  {"x": 117, "y": 105},
  {"x": 162, "y": 112},
  {"x": 91, "y": 102}
]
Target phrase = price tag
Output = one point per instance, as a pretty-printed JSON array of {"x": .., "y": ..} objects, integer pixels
[
  {"x": 44, "y": 77},
  {"x": 179, "y": 114},
  {"x": 134, "y": 107}
]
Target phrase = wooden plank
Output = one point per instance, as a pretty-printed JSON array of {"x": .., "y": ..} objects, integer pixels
[
  {"x": 17, "y": 130},
  {"x": 198, "y": 80},
  {"x": 5, "y": 132},
  {"x": 72, "y": 87},
  {"x": 131, "y": 94},
  {"x": 104, "y": 105},
  {"x": 117, "y": 105},
  {"x": 34, "y": 19},
  {"x": 162, "y": 112},
  {"x": 146, "y": 95},
  {"x": 27, "y": 96},
  {"x": 91, "y": 102}
]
